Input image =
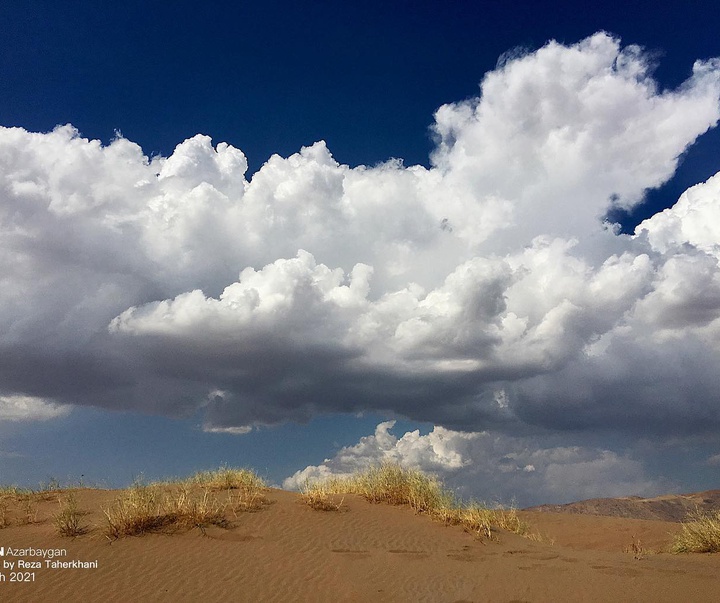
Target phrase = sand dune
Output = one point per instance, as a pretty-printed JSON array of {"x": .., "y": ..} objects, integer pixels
[{"x": 366, "y": 552}]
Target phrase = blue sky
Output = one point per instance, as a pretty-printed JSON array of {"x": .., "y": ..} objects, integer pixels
[{"x": 476, "y": 298}]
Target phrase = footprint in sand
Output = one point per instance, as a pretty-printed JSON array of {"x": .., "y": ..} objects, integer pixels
[
  {"x": 616, "y": 571},
  {"x": 354, "y": 554},
  {"x": 410, "y": 554}
]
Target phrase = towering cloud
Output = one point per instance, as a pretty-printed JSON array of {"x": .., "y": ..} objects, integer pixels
[{"x": 485, "y": 292}]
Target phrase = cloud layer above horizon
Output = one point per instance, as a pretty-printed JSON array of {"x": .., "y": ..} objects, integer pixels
[
  {"x": 484, "y": 292},
  {"x": 494, "y": 467}
]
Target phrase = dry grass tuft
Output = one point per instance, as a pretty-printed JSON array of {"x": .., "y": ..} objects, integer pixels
[
  {"x": 137, "y": 511},
  {"x": 201, "y": 500},
  {"x": 227, "y": 478},
  {"x": 321, "y": 499},
  {"x": 478, "y": 520},
  {"x": 247, "y": 501},
  {"x": 509, "y": 520},
  {"x": 68, "y": 520},
  {"x": 144, "y": 509},
  {"x": 189, "y": 509},
  {"x": 392, "y": 484},
  {"x": 700, "y": 534},
  {"x": 245, "y": 489}
]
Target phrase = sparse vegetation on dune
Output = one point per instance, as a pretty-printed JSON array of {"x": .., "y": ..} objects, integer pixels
[
  {"x": 9, "y": 491},
  {"x": 700, "y": 534},
  {"x": 205, "y": 498},
  {"x": 215, "y": 497},
  {"x": 392, "y": 484},
  {"x": 19, "y": 503}
]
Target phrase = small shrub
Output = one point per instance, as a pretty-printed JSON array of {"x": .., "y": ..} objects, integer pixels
[{"x": 700, "y": 534}]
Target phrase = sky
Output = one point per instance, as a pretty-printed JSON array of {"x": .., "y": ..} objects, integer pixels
[{"x": 478, "y": 239}]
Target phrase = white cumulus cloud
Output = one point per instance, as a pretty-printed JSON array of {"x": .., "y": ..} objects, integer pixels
[
  {"x": 27, "y": 408},
  {"x": 482, "y": 293}
]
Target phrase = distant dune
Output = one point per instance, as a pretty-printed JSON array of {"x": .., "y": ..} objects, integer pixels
[
  {"x": 283, "y": 550},
  {"x": 670, "y": 507}
]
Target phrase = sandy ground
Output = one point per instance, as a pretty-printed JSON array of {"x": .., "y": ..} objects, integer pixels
[{"x": 289, "y": 552}]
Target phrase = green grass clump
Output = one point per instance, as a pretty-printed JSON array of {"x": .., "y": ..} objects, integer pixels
[
  {"x": 392, "y": 484},
  {"x": 700, "y": 534}
]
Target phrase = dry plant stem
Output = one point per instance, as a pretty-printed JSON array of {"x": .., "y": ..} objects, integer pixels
[
  {"x": 4, "y": 519},
  {"x": 29, "y": 510},
  {"x": 636, "y": 549}
]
